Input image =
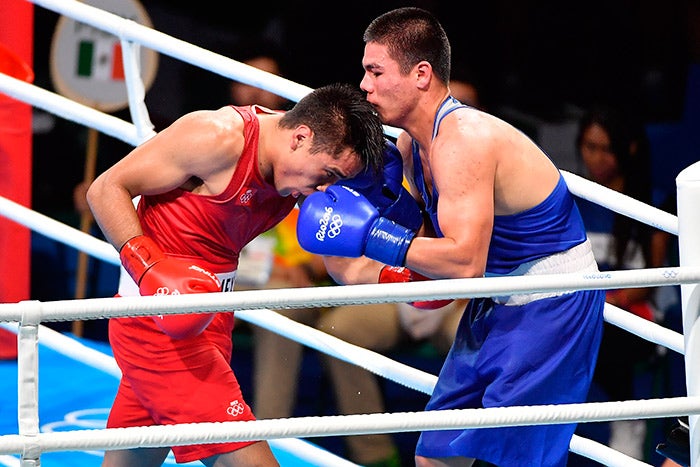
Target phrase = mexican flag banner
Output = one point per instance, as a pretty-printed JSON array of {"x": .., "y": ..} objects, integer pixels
[{"x": 100, "y": 60}]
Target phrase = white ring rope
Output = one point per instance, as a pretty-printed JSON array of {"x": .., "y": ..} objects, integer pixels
[
  {"x": 65, "y": 310},
  {"x": 68, "y": 109},
  {"x": 323, "y": 342},
  {"x": 248, "y": 303},
  {"x": 55, "y": 230},
  {"x": 168, "y": 45},
  {"x": 644, "y": 328},
  {"x": 603, "y": 454},
  {"x": 340, "y": 425},
  {"x": 621, "y": 203}
]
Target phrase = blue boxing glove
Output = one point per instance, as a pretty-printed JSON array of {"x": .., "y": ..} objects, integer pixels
[
  {"x": 386, "y": 192},
  {"x": 342, "y": 222}
]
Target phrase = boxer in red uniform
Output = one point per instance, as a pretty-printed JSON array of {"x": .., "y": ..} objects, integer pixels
[{"x": 209, "y": 184}]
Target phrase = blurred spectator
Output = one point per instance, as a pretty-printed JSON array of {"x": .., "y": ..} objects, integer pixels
[
  {"x": 615, "y": 156},
  {"x": 265, "y": 56},
  {"x": 464, "y": 85},
  {"x": 676, "y": 446}
]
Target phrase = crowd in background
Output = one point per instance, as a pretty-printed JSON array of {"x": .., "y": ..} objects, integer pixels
[{"x": 538, "y": 65}]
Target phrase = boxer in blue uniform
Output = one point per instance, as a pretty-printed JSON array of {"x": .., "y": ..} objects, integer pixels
[{"x": 494, "y": 205}]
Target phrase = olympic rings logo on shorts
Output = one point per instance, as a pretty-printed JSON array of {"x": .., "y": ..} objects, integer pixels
[
  {"x": 235, "y": 409},
  {"x": 330, "y": 225}
]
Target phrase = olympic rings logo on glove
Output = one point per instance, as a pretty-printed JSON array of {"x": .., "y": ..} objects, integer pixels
[
  {"x": 164, "y": 290},
  {"x": 335, "y": 225},
  {"x": 330, "y": 224}
]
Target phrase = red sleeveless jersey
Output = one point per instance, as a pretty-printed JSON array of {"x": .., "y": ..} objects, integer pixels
[{"x": 212, "y": 230}]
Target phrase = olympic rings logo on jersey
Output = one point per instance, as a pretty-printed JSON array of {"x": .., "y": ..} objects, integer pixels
[
  {"x": 235, "y": 409},
  {"x": 330, "y": 225},
  {"x": 246, "y": 197}
]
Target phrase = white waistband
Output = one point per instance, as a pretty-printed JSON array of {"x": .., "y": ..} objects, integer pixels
[
  {"x": 576, "y": 259},
  {"x": 128, "y": 288}
]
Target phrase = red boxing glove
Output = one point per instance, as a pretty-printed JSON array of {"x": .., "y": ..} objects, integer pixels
[
  {"x": 390, "y": 274},
  {"x": 158, "y": 274}
]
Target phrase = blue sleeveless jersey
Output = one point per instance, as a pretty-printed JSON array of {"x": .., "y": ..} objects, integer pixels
[{"x": 552, "y": 226}]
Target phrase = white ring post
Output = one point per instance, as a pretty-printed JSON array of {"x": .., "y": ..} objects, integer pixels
[
  {"x": 28, "y": 382},
  {"x": 688, "y": 191},
  {"x": 136, "y": 90}
]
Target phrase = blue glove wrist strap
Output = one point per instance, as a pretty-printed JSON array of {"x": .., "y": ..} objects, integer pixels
[{"x": 388, "y": 242}]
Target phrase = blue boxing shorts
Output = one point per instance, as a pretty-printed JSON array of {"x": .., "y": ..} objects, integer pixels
[{"x": 539, "y": 353}]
